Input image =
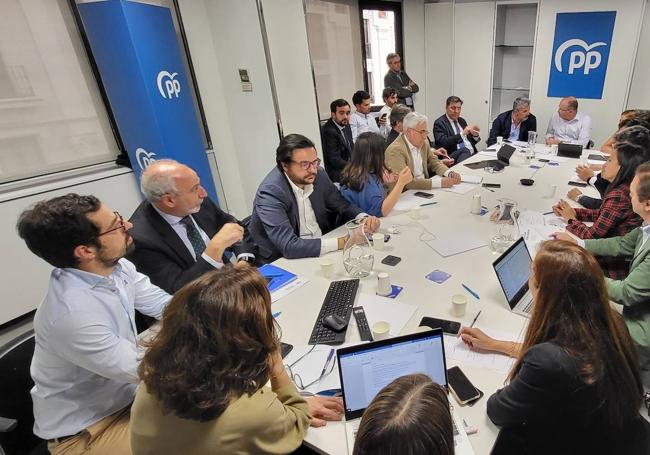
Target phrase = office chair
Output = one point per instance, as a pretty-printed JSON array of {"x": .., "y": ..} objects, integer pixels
[{"x": 16, "y": 414}]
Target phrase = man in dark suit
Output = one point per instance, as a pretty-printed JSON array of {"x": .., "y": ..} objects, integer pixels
[
  {"x": 337, "y": 139},
  {"x": 295, "y": 205},
  {"x": 400, "y": 81},
  {"x": 452, "y": 133},
  {"x": 179, "y": 233},
  {"x": 397, "y": 114},
  {"x": 514, "y": 125}
]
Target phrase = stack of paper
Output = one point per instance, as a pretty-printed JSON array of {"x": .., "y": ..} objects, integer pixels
[
  {"x": 461, "y": 188},
  {"x": 471, "y": 178},
  {"x": 457, "y": 350},
  {"x": 377, "y": 308},
  {"x": 536, "y": 227}
]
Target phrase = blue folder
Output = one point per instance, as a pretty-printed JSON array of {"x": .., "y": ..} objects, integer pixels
[{"x": 276, "y": 277}]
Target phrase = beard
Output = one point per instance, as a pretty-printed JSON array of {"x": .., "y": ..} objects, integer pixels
[{"x": 111, "y": 261}]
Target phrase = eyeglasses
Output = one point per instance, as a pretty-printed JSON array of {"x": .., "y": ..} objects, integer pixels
[
  {"x": 119, "y": 226},
  {"x": 422, "y": 132},
  {"x": 305, "y": 165},
  {"x": 327, "y": 369}
]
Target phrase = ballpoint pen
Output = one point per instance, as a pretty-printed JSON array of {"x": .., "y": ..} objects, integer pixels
[
  {"x": 428, "y": 203},
  {"x": 327, "y": 362},
  {"x": 471, "y": 292},
  {"x": 474, "y": 321}
]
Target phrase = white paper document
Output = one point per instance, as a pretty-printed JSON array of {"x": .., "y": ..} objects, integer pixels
[
  {"x": 408, "y": 200},
  {"x": 456, "y": 243},
  {"x": 307, "y": 364},
  {"x": 536, "y": 227},
  {"x": 575, "y": 178},
  {"x": 378, "y": 308},
  {"x": 288, "y": 289},
  {"x": 458, "y": 351},
  {"x": 461, "y": 188},
  {"x": 467, "y": 178},
  {"x": 489, "y": 152}
]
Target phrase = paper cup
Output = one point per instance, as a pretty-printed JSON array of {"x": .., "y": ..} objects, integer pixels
[
  {"x": 327, "y": 267},
  {"x": 378, "y": 241},
  {"x": 380, "y": 330},
  {"x": 458, "y": 305}
]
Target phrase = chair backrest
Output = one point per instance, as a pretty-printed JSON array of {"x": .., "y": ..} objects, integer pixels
[{"x": 15, "y": 400}]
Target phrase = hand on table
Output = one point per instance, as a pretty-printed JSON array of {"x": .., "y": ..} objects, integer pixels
[
  {"x": 574, "y": 194},
  {"x": 455, "y": 177},
  {"x": 447, "y": 161},
  {"x": 371, "y": 224},
  {"x": 477, "y": 339},
  {"x": 564, "y": 210},
  {"x": 552, "y": 141},
  {"x": 323, "y": 409},
  {"x": 563, "y": 236}
]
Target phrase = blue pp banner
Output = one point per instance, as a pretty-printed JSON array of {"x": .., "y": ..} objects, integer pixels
[
  {"x": 138, "y": 57},
  {"x": 580, "y": 54}
]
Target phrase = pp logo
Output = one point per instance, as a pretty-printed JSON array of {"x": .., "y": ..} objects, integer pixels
[
  {"x": 586, "y": 58},
  {"x": 168, "y": 86},
  {"x": 144, "y": 158}
]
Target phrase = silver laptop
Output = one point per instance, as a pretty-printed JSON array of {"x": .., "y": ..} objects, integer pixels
[
  {"x": 365, "y": 369},
  {"x": 513, "y": 270}
]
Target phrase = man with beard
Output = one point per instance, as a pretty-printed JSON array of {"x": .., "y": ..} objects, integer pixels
[
  {"x": 85, "y": 359},
  {"x": 337, "y": 139},
  {"x": 296, "y": 204}
]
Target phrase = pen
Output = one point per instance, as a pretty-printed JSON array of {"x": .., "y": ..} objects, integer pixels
[
  {"x": 275, "y": 315},
  {"x": 327, "y": 362},
  {"x": 428, "y": 203},
  {"x": 486, "y": 188},
  {"x": 471, "y": 292},
  {"x": 547, "y": 213},
  {"x": 474, "y": 321}
]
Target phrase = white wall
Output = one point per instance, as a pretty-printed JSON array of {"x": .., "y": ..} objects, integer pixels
[
  {"x": 604, "y": 112},
  {"x": 439, "y": 29},
  {"x": 414, "y": 49},
  {"x": 639, "y": 96}
]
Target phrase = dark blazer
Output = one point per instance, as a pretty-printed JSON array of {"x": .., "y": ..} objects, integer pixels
[
  {"x": 394, "y": 134},
  {"x": 336, "y": 151},
  {"x": 550, "y": 410},
  {"x": 591, "y": 202},
  {"x": 501, "y": 127},
  {"x": 274, "y": 224},
  {"x": 398, "y": 81},
  {"x": 161, "y": 254},
  {"x": 445, "y": 135}
]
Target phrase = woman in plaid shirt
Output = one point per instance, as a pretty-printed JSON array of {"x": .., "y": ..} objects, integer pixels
[{"x": 615, "y": 216}]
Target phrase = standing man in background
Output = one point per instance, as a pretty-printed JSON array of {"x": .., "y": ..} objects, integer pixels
[{"x": 400, "y": 81}]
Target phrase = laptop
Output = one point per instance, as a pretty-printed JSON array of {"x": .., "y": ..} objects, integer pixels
[
  {"x": 365, "y": 369},
  {"x": 513, "y": 270},
  {"x": 569, "y": 150},
  {"x": 503, "y": 159}
]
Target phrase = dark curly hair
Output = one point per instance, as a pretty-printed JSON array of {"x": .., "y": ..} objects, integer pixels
[
  {"x": 53, "y": 228},
  {"x": 215, "y": 344}
]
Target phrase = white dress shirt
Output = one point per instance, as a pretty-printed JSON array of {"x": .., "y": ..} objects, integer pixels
[
  {"x": 576, "y": 131},
  {"x": 361, "y": 123},
  {"x": 418, "y": 171},
  {"x": 385, "y": 129},
  {"x": 309, "y": 228},
  {"x": 86, "y": 354},
  {"x": 468, "y": 144},
  {"x": 181, "y": 230}
]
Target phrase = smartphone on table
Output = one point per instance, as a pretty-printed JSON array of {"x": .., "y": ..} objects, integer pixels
[{"x": 461, "y": 387}]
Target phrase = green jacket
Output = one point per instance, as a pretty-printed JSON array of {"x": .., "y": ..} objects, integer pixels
[{"x": 634, "y": 291}]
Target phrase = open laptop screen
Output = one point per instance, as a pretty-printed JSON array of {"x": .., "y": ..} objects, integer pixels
[
  {"x": 367, "y": 368},
  {"x": 513, "y": 271}
]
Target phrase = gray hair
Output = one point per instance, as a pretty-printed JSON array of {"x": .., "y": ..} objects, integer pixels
[
  {"x": 398, "y": 112},
  {"x": 157, "y": 180},
  {"x": 412, "y": 119},
  {"x": 520, "y": 101},
  {"x": 391, "y": 56}
]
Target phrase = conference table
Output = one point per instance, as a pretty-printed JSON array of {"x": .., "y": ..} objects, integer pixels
[{"x": 449, "y": 217}]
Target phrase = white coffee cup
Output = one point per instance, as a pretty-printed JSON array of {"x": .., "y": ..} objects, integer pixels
[
  {"x": 383, "y": 284},
  {"x": 554, "y": 149},
  {"x": 458, "y": 305},
  {"x": 378, "y": 241},
  {"x": 476, "y": 204},
  {"x": 380, "y": 330},
  {"x": 414, "y": 213},
  {"x": 327, "y": 267},
  {"x": 499, "y": 141},
  {"x": 550, "y": 191}
]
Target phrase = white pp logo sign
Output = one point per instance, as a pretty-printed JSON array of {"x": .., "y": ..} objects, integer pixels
[
  {"x": 144, "y": 158},
  {"x": 168, "y": 86},
  {"x": 586, "y": 58}
]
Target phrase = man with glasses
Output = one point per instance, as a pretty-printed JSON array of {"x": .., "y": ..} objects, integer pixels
[
  {"x": 412, "y": 149},
  {"x": 569, "y": 125},
  {"x": 297, "y": 203},
  {"x": 179, "y": 233},
  {"x": 400, "y": 81},
  {"x": 85, "y": 359},
  {"x": 452, "y": 132}
]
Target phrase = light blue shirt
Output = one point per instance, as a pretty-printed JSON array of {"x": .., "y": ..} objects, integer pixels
[
  {"x": 85, "y": 360},
  {"x": 514, "y": 131}
]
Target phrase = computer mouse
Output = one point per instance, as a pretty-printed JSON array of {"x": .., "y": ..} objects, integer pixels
[{"x": 334, "y": 322}]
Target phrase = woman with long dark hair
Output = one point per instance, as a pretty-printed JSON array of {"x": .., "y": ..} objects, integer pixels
[
  {"x": 615, "y": 216},
  {"x": 575, "y": 386},
  {"x": 409, "y": 416},
  {"x": 204, "y": 374},
  {"x": 362, "y": 180}
]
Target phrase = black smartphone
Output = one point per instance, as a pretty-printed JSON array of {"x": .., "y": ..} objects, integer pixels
[
  {"x": 391, "y": 260},
  {"x": 449, "y": 327},
  {"x": 423, "y": 194},
  {"x": 580, "y": 184},
  {"x": 384, "y": 115},
  {"x": 285, "y": 349},
  {"x": 491, "y": 185},
  {"x": 461, "y": 387},
  {"x": 596, "y": 157},
  {"x": 543, "y": 160}
]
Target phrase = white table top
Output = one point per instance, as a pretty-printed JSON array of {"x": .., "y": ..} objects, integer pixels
[{"x": 451, "y": 214}]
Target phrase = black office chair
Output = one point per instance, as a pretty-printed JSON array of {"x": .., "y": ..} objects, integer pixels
[{"x": 16, "y": 414}]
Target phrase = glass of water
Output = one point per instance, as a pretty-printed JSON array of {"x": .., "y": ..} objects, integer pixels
[{"x": 532, "y": 140}]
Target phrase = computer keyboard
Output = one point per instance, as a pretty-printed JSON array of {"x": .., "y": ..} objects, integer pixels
[{"x": 339, "y": 300}]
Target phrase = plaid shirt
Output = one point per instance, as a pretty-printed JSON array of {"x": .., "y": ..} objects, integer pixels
[{"x": 614, "y": 218}]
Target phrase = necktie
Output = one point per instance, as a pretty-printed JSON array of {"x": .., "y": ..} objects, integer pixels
[
  {"x": 462, "y": 147},
  {"x": 198, "y": 245}
]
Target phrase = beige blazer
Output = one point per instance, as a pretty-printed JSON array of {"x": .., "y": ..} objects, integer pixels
[
  {"x": 267, "y": 422},
  {"x": 398, "y": 156}
]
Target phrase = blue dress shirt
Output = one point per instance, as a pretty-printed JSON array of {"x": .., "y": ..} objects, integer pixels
[{"x": 369, "y": 199}]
